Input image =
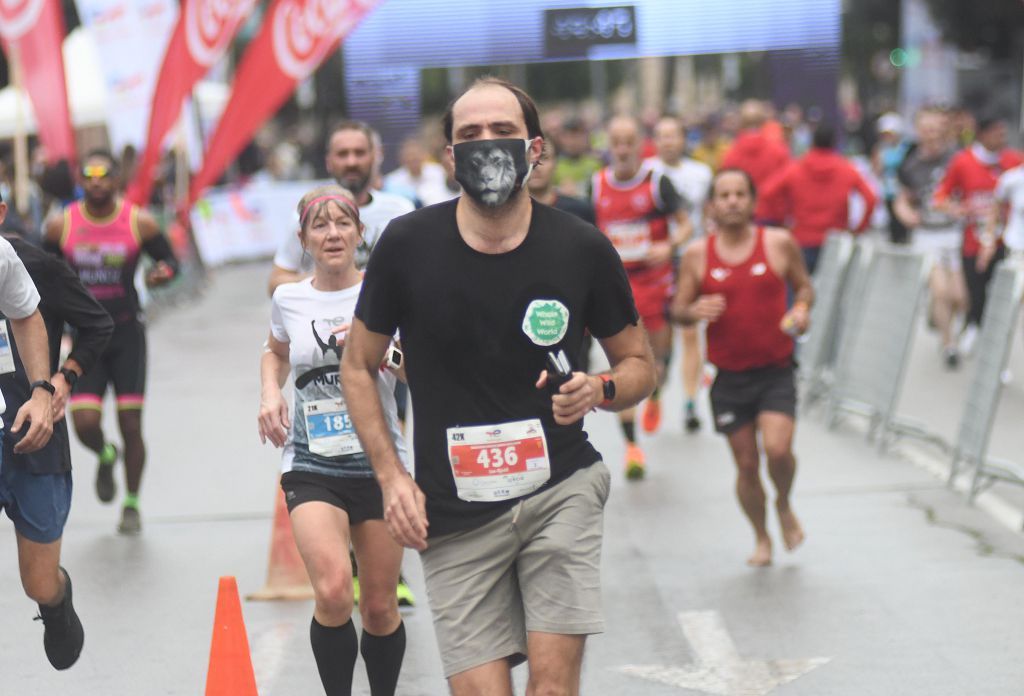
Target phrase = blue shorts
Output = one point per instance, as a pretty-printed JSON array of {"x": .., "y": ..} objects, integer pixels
[{"x": 38, "y": 504}]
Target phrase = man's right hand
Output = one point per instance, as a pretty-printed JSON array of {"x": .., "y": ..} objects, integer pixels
[
  {"x": 405, "y": 511},
  {"x": 708, "y": 307}
]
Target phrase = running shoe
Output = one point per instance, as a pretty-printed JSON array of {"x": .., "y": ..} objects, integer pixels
[
  {"x": 106, "y": 488},
  {"x": 355, "y": 589},
  {"x": 651, "y": 418},
  {"x": 952, "y": 358},
  {"x": 692, "y": 422},
  {"x": 634, "y": 462},
  {"x": 404, "y": 593},
  {"x": 131, "y": 521},
  {"x": 968, "y": 338},
  {"x": 63, "y": 635}
]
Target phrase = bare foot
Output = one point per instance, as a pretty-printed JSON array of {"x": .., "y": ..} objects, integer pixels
[
  {"x": 762, "y": 555},
  {"x": 792, "y": 532}
]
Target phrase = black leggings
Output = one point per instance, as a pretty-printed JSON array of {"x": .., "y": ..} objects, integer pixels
[{"x": 977, "y": 284}]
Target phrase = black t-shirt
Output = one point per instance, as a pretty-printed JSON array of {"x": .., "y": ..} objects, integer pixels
[
  {"x": 461, "y": 315},
  {"x": 62, "y": 300}
]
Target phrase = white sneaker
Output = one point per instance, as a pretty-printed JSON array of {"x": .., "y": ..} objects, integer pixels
[{"x": 968, "y": 338}]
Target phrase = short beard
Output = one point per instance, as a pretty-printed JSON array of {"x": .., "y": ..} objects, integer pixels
[{"x": 354, "y": 183}]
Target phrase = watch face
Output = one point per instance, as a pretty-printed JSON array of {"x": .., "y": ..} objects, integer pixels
[{"x": 609, "y": 390}]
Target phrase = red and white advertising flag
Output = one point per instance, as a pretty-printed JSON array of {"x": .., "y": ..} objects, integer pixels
[
  {"x": 204, "y": 32},
  {"x": 33, "y": 30},
  {"x": 296, "y": 36}
]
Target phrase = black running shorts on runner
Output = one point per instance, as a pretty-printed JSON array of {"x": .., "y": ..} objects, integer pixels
[
  {"x": 123, "y": 363},
  {"x": 738, "y": 397},
  {"x": 359, "y": 497}
]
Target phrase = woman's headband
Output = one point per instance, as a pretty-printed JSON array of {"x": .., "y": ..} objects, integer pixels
[{"x": 344, "y": 200}]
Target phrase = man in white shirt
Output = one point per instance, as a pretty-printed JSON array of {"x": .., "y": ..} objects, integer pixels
[
  {"x": 352, "y": 161},
  {"x": 426, "y": 180},
  {"x": 36, "y": 504},
  {"x": 692, "y": 179}
]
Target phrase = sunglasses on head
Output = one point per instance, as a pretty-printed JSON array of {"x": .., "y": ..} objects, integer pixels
[{"x": 95, "y": 171}]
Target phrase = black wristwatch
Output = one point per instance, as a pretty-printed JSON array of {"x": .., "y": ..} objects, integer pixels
[
  {"x": 70, "y": 376},
  {"x": 608, "y": 387},
  {"x": 42, "y": 384}
]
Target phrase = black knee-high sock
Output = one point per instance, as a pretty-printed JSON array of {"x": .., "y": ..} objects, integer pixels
[
  {"x": 383, "y": 656},
  {"x": 335, "y": 650},
  {"x": 629, "y": 430}
]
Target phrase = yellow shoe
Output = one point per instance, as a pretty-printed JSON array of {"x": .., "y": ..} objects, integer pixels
[
  {"x": 651, "y": 418},
  {"x": 405, "y": 596},
  {"x": 355, "y": 590},
  {"x": 634, "y": 462}
]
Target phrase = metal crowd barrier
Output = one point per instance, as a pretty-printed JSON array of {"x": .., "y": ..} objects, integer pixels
[
  {"x": 993, "y": 350},
  {"x": 818, "y": 348},
  {"x": 877, "y": 326}
]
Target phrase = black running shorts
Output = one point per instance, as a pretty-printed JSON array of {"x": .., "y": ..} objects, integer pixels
[
  {"x": 123, "y": 364},
  {"x": 360, "y": 497},
  {"x": 738, "y": 397}
]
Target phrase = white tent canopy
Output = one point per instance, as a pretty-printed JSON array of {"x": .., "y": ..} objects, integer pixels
[{"x": 87, "y": 93}]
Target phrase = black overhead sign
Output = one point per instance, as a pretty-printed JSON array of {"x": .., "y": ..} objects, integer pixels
[{"x": 569, "y": 33}]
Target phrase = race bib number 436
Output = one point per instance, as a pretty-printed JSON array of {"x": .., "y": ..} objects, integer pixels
[{"x": 498, "y": 462}]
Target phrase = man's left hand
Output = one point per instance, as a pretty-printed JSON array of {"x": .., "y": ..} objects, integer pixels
[
  {"x": 160, "y": 274},
  {"x": 659, "y": 253},
  {"x": 575, "y": 399}
]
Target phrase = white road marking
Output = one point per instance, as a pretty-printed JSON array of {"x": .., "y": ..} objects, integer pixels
[
  {"x": 268, "y": 654},
  {"x": 719, "y": 669}
]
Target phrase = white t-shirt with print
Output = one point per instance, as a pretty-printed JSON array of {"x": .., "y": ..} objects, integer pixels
[
  {"x": 375, "y": 216},
  {"x": 1010, "y": 189},
  {"x": 692, "y": 179},
  {"x": 303, "y": 317}
]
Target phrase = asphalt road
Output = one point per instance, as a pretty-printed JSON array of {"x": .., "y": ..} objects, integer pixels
[{"x": 900, "y": 589}]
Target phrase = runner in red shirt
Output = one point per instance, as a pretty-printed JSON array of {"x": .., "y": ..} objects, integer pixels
[
  {"x": 759, "y": 153},
  {"x": 814, "y": 191},
  {"x": 967, "y": 193},
  {"x": 736, "y": 280},
  {"x": 633, "y": 205}
]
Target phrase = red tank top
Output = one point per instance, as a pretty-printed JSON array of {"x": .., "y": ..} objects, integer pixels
[
  {"x": 630, "y": 214},
  {"x": 104, "y": 253},
  {"x": 747, "y": 335}
]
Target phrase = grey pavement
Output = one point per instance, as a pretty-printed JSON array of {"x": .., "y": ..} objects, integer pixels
[{"x": 902, "y": 586}]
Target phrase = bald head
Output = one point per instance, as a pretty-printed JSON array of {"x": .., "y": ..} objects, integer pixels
[
  {"x": 625, "y": 143},
  {"x": 752, "y": 114}
]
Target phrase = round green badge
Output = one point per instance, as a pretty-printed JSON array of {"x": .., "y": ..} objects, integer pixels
[{"x": 546, "y": 322}]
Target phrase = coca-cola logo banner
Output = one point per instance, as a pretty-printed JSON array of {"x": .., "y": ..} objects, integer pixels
[
  {"x": 210, "y": 25},
  {"x": 18, "y": 16}
]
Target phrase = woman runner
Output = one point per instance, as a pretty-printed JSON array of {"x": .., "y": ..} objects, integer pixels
[{"x": 333, "y": 498}]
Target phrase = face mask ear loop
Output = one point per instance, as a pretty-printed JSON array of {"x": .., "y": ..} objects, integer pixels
[{"x": 529, "y": 164}]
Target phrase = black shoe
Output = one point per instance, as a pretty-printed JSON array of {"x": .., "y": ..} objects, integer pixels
[
  {"x": 106, "y": 489},
  {"x": 952, "y": 359},
  {"x": 63, "y": 634},
  {"x": 692, "y": 422}
]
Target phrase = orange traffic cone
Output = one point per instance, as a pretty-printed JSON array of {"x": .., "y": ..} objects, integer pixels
[
  {"x": 230, "y": 671},
  {"x": 286, "y": 573}
]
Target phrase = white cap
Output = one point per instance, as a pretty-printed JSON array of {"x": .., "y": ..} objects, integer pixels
[{"x": 890, "y": 122}]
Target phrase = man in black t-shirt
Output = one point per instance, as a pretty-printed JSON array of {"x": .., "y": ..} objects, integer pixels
[{"x": 507, "y": 505}]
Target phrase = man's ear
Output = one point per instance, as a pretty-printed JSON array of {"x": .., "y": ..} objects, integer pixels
[{"x": 536, "y": 150}]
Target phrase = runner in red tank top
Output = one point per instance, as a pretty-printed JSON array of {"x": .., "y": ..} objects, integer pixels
[
  {"x": 633, "y": 206},
  {"x": 101, "y": 237},
  {"x": 736, "y": 281}
]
